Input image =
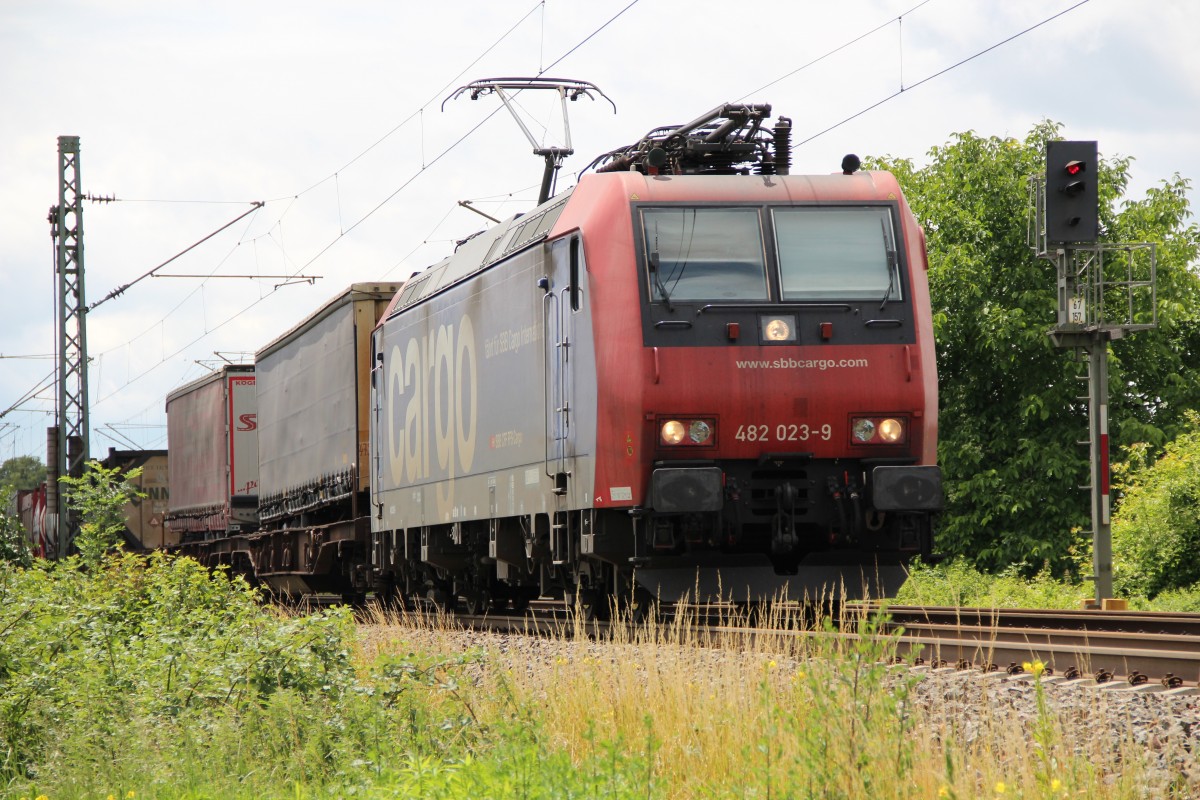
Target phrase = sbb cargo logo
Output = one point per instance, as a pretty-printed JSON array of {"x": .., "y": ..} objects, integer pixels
[{"x": 432, "y": 408}]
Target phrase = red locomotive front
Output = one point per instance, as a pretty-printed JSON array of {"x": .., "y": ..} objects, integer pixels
[{"x": 765, "y": 377}]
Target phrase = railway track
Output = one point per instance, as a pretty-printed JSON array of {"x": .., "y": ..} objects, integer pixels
[
  {"x": 1145, "y": 650},
  {"x": 1138, "y": 651}
]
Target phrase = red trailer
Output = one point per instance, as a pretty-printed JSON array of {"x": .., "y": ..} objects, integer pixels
[{"x": 212, "y": 443}]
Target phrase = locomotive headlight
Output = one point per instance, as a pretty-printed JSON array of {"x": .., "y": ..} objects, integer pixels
[
  {"x": 688, "y": 432},
  {"x": 778, "y": 328},
  {"x": 891, "y": 430},
  {"x": 863, "y": 430},
  {"x": 878, "y": 430},
  {"x": 672, "y": 431},
  {"x": 699, "y": 431}
]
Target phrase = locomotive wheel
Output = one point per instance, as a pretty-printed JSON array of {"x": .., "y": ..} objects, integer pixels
[
  {"x": 642, "y": 606},
  {"x": 589, "y": 596},
  {"x": 633, "y": 603},
  {"x": 591, "y": 603}
]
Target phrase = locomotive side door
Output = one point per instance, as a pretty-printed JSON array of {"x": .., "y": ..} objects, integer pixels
[{"x": 561, "y": 298}]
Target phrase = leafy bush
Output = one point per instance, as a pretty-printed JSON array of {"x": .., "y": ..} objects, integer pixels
[
  {"x": 99, "y": 496},
  {"x": 957, "y": 583},
  {"x": 14, "y": 546},
  {"x": 1156, "y": 528},
  {"x": 90, "y": 659}
]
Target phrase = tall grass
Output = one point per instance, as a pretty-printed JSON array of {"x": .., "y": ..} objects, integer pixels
[{"x": 154, "y": 677}]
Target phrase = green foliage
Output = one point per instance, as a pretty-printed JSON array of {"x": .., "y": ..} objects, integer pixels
[
  {"x": 91, "y": 663},
  {"x": 1010, "y": 419},
  {"x": 22, "y": 472},
  {"x": 958, "y": 583},
  {"x": 1156, "y": 530},
  {"x": 1183, "y": 600},
  {"x": 851, "y": 718},
  {"x": 100, "y": 496},
  {"x": 14, "y": 542}
]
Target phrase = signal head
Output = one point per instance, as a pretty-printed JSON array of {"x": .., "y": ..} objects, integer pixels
[{"x": 1072, "y": 199}]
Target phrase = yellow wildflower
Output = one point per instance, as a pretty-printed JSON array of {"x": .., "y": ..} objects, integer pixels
[
  {"x": 1000, "y": 787},
  {"x": 1055, "y": 785},
  {"x": 771, "y": 664},
  {"x": 943, "y": 791}
]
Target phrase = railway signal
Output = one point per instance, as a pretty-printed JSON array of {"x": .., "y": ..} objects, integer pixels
[
  {"x": 1072, "y": 200},
  {"x": 1106, "y": 290}
]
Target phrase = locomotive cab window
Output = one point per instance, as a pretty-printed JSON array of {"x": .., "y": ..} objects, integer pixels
[
  {"x": 704, "y": 254},
  {"x": 837, "y": 253}
]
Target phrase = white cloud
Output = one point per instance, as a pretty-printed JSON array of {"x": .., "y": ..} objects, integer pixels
[{"x": 233, "y": 101}]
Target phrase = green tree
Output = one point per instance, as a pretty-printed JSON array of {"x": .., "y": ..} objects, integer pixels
[
  {"x": 1010, "y": 418},
  {"x": 22, "y": 472},
  {"x": 100, "y": 496}
]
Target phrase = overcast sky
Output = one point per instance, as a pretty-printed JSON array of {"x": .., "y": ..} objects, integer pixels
[{"x": 189, "y": 110}]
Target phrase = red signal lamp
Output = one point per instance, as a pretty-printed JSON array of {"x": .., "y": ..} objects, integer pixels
[{"x": 1075, "y": 167}]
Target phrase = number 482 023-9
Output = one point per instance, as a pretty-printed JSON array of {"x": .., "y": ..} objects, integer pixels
[{"x": 783, "y": 432}]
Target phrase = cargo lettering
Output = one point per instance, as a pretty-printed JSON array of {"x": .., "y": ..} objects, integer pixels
[{"x": 438, "y": 374}]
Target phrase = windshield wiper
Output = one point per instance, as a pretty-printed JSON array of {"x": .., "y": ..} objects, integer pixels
[
  {"x": 658, "y": 284},
  {"x": 891, "y": 265}
]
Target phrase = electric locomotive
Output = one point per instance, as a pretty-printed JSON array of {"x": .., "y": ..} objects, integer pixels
[{"x": 691, "y": 375}]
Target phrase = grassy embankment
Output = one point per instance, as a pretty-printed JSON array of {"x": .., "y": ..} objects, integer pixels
[{"x": 153, "y": 679}]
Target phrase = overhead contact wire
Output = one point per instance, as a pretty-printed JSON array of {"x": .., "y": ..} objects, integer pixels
[
  {"x": 939, "y": 73},
  {"x": 834, "y": 51}
]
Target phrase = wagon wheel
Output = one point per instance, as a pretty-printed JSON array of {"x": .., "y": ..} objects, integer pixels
[
  {"x": 480, "y": 601},
  {"x": 442, "y": 599},
  {"x": 520, "y": 602}
]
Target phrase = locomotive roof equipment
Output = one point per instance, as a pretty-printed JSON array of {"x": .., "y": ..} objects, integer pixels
[{"x": 567, "y": 88}]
